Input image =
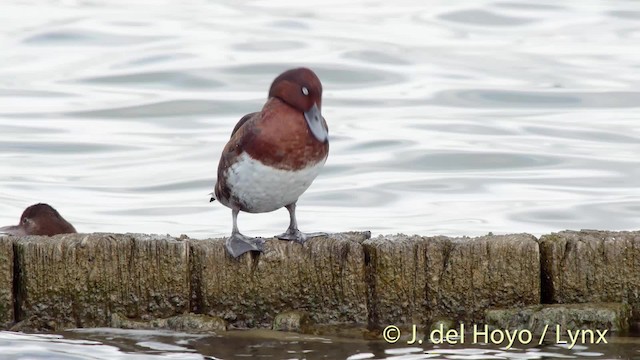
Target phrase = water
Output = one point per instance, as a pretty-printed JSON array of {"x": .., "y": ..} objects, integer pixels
[
  {"x": 111, "y": 344},
  {"x": 453, "y": 118},
  {"x": 456, "y": 118}
]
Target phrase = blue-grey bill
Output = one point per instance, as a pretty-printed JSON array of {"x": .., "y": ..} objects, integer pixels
[
  {"x": 12, "y": 230},
  {"x": 315, "y": 123}
]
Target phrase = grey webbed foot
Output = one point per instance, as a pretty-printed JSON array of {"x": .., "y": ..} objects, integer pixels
[
  {"x": 238, "y": 244},
  {"x": 298, "y": 236}
]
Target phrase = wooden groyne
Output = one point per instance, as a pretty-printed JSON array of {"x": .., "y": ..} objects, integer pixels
[{"x": 138, "y": 280}]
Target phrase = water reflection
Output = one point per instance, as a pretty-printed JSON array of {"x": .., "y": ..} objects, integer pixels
[{"x": 158, "y": 344}]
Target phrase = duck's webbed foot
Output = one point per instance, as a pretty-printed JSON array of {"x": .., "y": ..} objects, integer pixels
[
  {"x": 292, "y": 233},
  {"x": 238, "y": 244},
  {"x": 298, "y": 236}
]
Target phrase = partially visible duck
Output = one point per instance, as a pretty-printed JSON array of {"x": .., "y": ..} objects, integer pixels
[
  {"x": 39, "y": 219},
  {"x": 273, "y": 156}
]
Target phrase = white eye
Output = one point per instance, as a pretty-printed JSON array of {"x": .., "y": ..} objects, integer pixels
[{"x": 305, "y": 91}]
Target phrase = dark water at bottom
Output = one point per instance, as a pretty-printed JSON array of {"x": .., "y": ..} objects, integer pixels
[{"x": 105, "y": 343}]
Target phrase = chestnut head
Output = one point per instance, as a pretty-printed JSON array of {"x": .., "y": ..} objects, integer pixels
[
  {"x": 40, "y": 219},
  {"x": 301, "y": 89}
]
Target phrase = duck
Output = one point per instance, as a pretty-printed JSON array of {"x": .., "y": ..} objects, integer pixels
[
  {"x": 40, "y": 219},
  {"x": 273, "y": 156}
]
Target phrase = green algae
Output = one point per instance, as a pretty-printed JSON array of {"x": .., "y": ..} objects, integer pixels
[{"x": 6, "y": 281}]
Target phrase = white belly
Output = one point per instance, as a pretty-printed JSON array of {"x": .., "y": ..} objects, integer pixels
[{"x": 262, "y": 188}]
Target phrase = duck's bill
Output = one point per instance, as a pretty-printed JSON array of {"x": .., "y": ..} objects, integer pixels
[
  {"x": 14, "y": 230},
  {"x": 315, "y": 123}
]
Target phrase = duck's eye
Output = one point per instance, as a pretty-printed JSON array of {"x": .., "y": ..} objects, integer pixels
[
  {"x": 305, "y": 91},
  {"x": 24, "y": 221}
]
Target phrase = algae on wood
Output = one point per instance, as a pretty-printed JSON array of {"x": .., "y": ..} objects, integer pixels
[
  {"x": 397, "y": 278},
  {"x": 591, "y": 266},
  {"x": 6, "y": 281},
  {"x": 80, "y": 280},
  {"x": 191, "y": 323},
  {"x": 83, "y": 280},
  {"x": 416, "y": 280},
  {"x": 589, "y": 316},
  {"x": 324, "y": 277},
  {"x": 297, "y": 321}
]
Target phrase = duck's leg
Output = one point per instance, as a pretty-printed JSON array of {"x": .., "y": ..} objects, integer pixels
[
  {"x": 292, "y": 233},
  {"x": 238, "y": 244}
]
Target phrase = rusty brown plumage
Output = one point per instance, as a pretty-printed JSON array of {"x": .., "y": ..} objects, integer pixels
[{"x": 40, "y": 219}]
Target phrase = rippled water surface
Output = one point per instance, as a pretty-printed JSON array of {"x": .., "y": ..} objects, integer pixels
[
  {"x": 111, "y": 344},
  {"x": 457, "y": 118},
  {"x": 452, "y": 117}
]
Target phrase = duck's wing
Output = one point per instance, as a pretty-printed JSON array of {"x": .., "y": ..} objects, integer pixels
[{"x": 242, "y": 121}]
